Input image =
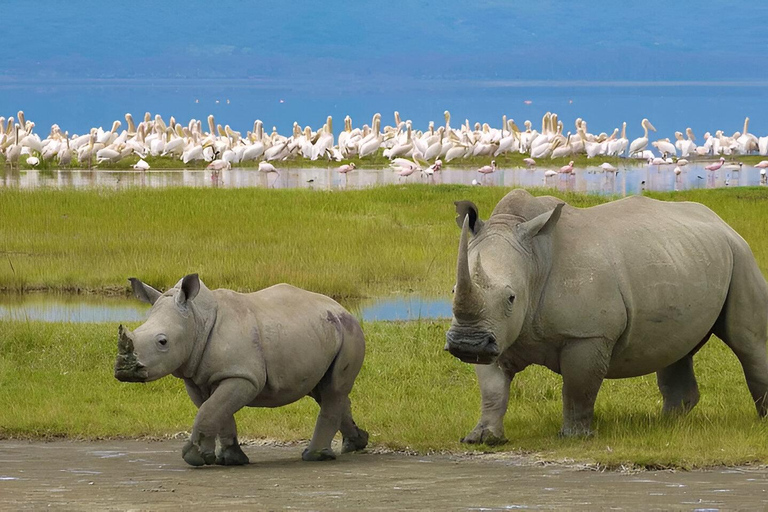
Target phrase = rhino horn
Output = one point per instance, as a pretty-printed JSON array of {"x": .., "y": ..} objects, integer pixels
[
  {"x": 467, "y": 297},
  {"x": 124, "y": 341}
]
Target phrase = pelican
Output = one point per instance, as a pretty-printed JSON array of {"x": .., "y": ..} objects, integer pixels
[{"x": 639, "y": 144}]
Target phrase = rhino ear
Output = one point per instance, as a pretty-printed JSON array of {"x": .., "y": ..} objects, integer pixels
[
  {"x": 541, "y": 224},
  {"x": 468, "y": 208},
  {"x": 144, "y": 292},
  {"x": 190, "y": 285}
]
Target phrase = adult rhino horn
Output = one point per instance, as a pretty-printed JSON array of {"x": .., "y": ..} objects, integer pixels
[
  {"x": 467, "y": 298},
  {"x": 124, "y": 341}
]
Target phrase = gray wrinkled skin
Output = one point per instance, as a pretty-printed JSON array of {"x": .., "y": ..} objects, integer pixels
[
  {"x": 262, "y": 349},
  {"x": 619, "y": 290}
]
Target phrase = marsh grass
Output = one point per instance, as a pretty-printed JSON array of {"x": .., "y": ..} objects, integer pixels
[
  {"x": 344, "y": 244},
  {"x": 56, "y": 380}
]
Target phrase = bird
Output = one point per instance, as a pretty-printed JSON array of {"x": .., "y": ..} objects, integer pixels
[
  {"x": 682, "y": 162},
  {"x": 567, "y": 169},
  {"x": 529, "y": 162},
  {"x": 677, "y": 171},
  {"x": 218, "y": 165},
  {"x": 342, "y": 169},
  {"x": 141, "y": 165},
  {"x": 33, "y": 161},
  {"x": 715, "y": 166},
  {"x": 640, "y": 143},
  {"x": 762, "y": 165},
  {"x": 429, "y": 171},
  {"x": 608, "y": 167},
  {"x": 488, "y": 169},
  {"x": 549, "y": 173},
  {"x": 267, "y": 167}
]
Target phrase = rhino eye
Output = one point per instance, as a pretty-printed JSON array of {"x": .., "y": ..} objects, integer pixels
[
  {"x": 511, "y": 299},
  {"x": 162, "y": 342}
]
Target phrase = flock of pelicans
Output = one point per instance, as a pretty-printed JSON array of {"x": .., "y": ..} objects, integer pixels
[{"x": 408, "y": 150}]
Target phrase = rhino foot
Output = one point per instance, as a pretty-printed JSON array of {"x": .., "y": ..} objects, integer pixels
[
  {"x": 318, "y": 455},
  {"x": 232, "y": 455},
  {"x": 358, "y": 442},
  {"x": 194, "y": 457},
  {"x": 482, "y": 435}
]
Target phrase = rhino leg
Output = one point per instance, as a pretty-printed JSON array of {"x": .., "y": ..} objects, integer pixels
[
  {"x": 583, "y": 365},
  {"x": 229, "y": 452},
  {"x": 742, "y": 324},
  {"x": 353, "y": 437},
  {"x": 214, "y": 416},
  {"x": 678, "y": 386},
  {"x": 332, "y": 393},
  {"x": 494, "y": 394}
]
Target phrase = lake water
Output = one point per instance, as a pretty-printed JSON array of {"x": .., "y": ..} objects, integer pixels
[
  {"x": 631, "y": 178},
  {"x": 85, "y": 308}
]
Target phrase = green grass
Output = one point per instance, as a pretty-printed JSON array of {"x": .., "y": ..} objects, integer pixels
[
  {"x": 348, "y": 244},
  {"x": 345, "y": 244},
  {"x": 56, "y": 380}
]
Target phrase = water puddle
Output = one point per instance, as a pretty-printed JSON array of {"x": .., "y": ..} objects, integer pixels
[
  {"x": 88, "y": 309},
  {"x": 631, "y": 178}
]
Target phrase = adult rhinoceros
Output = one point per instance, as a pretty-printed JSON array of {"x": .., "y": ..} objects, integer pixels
[
  {"x": 262, "y": 349},
  {"x": 623, "y": 289}
]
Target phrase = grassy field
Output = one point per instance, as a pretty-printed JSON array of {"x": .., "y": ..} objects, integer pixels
[
  {"x": 348, "y": 244},
  {"x": 56, "y": 380},
  {"x": 351, "y": 244}
]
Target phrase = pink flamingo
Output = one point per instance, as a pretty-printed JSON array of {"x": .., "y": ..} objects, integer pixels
[
  {"x": 487, "y": 169},
  {"x": 344, "y": 169},
  {"x": 762, "y": 165},
  {"x": 567, "y": 169},
  {"x": 530, "y": 162},
  {"x": 715, "y": 166}
]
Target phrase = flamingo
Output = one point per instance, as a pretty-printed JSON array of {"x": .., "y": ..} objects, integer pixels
[
  {"x": 639, "y": 144},
  {"x": 488, "y": 169},
  {"x": 567, "y": 169},
  {"x": 549, "y": 173},
  {"x": 762, "y": 165},
  {"x": 344, "y": 169},
  {"x": 141, "y": 165},
  {"x": 677, "y": 170},
  {"x": 529, "y": 162},
  {"x": 608, "y": 167},
  {"x": 219, "y": 164},
  {"x": 715, "y": 166}
]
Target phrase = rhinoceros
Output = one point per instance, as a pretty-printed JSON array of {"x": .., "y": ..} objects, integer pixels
[
  {"x": 262, "y": 349},
  {"x": 623, "y": 289}
]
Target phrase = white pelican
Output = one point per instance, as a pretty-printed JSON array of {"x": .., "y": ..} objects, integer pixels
[
  {"x": 640, "y": 143},
  {"x": 665, "y": 147}
]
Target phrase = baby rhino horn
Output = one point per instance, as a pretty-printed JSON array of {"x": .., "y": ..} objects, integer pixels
[{"x": 124, "y": 341}]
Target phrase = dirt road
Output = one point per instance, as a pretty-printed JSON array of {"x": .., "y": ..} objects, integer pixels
[{"x": 150, "y": 475}]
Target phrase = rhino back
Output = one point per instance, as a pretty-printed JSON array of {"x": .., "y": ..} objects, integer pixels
[
  {"x": 288, "y": 336},
  {"x": 654, "y": 273}
]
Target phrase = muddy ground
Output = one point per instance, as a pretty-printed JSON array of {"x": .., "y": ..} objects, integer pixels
[{"x": 151, "y": 475}]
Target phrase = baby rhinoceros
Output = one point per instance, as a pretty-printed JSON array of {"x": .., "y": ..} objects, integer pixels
[{"x": 262, "y": 349}]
